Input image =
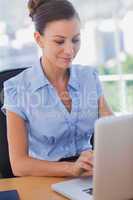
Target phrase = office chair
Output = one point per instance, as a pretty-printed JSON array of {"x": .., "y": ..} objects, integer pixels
[
  {"x": 92, "y": 141},
  {"x": 5, "y": 167}
]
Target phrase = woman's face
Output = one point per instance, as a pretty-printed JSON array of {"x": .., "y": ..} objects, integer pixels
[{"x": 60, "y": 42}]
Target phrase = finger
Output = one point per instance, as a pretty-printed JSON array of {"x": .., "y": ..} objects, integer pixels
[
  {"x": 85, "y": 166},
  {"x": 90, "y": 173},
  {"x": 86, "y": 160},
  {"x": 87, "y": 173}
]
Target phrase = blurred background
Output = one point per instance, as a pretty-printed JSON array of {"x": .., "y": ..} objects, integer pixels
[{"x": 107, "y": 43}]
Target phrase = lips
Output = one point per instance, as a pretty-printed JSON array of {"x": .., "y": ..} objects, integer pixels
[{"x": 67, "y": 59}]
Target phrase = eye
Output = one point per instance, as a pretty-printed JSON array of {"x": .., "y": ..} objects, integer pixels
[
  {"x": 75, "y": 40},
  {"x": 59, "y": 42}
]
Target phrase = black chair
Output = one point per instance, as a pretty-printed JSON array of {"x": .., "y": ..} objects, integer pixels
[
  {"x": 5, "y": 167},
  {"x": 92, "y": 141}
]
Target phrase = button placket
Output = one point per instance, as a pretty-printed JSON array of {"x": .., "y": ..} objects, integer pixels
[
  {"x": 74, "y": 121},
  {"x": 70, "y": 118}
]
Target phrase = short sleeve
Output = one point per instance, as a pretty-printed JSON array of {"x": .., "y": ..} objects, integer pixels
[
  {"x": 98, "y": 83},
  {"x": 12, "y": 99}
]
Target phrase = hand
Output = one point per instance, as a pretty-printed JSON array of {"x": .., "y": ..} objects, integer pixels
[{"x": 83, "y": 165}]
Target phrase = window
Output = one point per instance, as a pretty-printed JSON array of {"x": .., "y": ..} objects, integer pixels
[{"x": 17, "y": 47}]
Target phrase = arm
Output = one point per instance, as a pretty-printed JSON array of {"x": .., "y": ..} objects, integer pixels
[
  {"x": 104, "y": 109},
  {"x": 22, "y": 164}
]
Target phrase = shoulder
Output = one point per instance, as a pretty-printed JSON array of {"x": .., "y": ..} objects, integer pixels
[{"x": 20, "y": 80}]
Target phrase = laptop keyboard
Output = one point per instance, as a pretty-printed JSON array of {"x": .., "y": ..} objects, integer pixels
[{"x": 88, "y": 191}]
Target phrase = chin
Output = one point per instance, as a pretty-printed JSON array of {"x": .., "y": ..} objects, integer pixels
[{"x": 63, "y": 66}]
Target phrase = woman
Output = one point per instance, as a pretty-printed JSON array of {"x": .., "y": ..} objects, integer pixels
[{"x": 51, "y": 108}]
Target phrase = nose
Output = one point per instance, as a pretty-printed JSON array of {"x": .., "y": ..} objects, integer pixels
[{"x": 69, "y": 49}]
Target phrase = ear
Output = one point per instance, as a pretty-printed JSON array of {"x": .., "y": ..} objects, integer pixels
[{"x": 39, "y": 39}]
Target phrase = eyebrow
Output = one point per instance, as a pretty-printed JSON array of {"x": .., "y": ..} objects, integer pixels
[{"x": 61, "y": 36}]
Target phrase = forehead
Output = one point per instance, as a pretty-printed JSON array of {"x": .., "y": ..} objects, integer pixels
[{"x": 63, "y": 27}]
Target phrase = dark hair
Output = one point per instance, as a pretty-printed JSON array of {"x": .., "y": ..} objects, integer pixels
[{"x": 44, "y": 11}]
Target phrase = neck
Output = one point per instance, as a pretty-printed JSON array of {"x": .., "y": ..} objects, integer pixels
[{"x": 54, "y": 74}]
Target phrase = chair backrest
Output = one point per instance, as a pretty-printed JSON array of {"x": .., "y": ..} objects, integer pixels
[
  {"x": 5, "y": 167},
  {"x": 92, "y": 141}
]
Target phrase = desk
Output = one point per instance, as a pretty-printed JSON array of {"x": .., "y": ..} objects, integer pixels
[{"x": 32, "y": 188}]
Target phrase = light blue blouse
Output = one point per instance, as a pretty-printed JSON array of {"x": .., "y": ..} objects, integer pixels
[{"x": 53, "y": 132}]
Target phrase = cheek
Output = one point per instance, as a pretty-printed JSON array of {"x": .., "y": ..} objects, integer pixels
[
  {"x": 49, "y": 52},
  {"x": 77, "y": 47}
]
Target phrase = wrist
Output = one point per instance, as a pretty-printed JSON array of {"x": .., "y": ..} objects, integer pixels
[{"x": 69, "y": 169}]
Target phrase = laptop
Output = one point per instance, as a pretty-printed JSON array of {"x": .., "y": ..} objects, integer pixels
[{"x": 113, "y": 164}]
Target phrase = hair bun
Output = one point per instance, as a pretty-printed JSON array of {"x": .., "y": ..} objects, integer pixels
[{"x": 33, "y": 5}]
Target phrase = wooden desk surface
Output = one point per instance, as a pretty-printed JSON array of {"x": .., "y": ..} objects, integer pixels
[{"x": 32, "y": 188}]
